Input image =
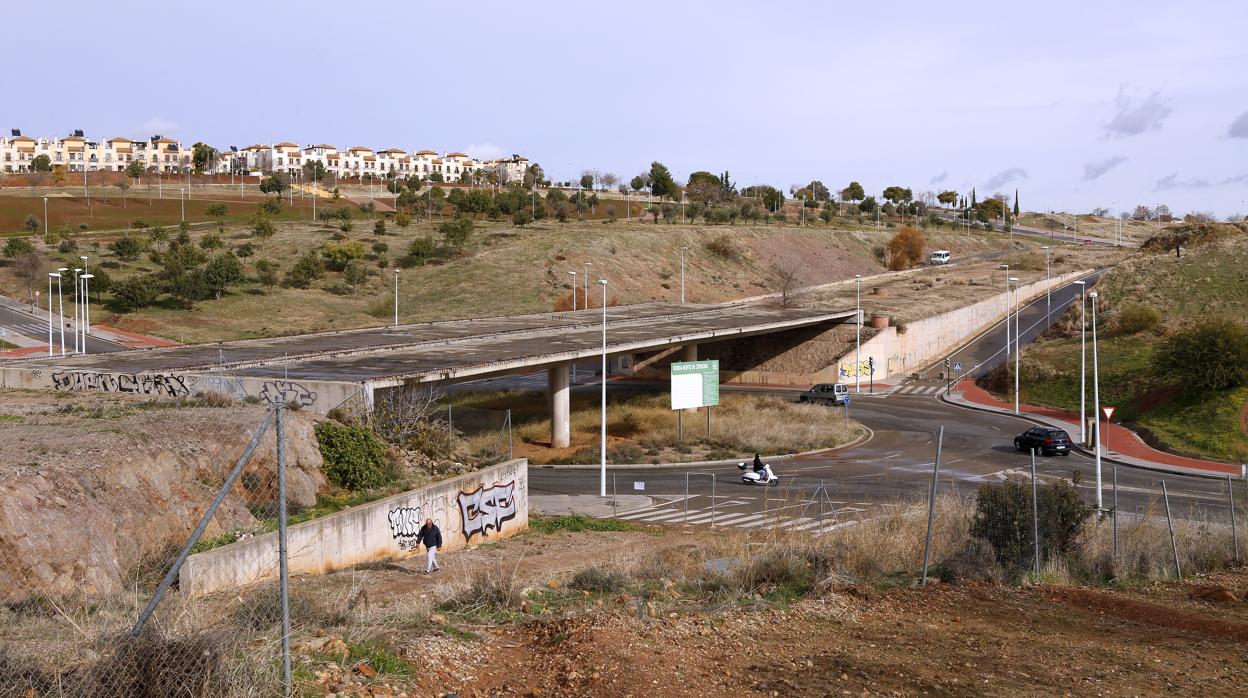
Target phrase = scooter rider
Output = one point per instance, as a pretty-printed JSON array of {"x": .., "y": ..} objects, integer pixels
[{"x": 758, "y": 463}]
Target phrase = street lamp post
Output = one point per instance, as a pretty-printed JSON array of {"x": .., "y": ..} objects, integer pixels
[
  {"x": 58, "y": 276},
  {"x": 587, "y": 266},
  {"x": 1083, "y": 362},
  {"x": 86, "y": 308},
  {"x": 602, "y": 480},
  {"x": 858, "y": 339},
  {"x": 1017, "y": 343},
  {"x": 182, "y": 202},
  {"x": 76, "y": 324},
  {"x": 1048, "y": 292},
  {"x": 683, "y": 249},
  {"x": 396, "y": 297},
  {"x": 574, "y": 310},
  {"x": 60, "y": 305},
  {"x": 45, "y": 218},
  {"x": 1096, "y": 403}
]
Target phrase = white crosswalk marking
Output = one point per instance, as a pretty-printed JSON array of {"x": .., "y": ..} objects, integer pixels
[{"x": 660, "y": 516}]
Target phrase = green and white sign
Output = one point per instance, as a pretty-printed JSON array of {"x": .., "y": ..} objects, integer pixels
[{"x": 695, "y": 384}]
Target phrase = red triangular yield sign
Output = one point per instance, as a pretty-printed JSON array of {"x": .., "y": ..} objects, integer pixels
[{"x": 1109, "y": 412}]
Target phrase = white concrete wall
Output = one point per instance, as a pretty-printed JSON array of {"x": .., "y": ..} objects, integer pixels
[
  {"x": 482, "y": 506},
  {"x": 928, "y": 339}
]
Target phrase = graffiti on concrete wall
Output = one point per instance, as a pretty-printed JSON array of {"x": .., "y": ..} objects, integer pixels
[
  {"x": 487, "y": 508},
  {"x": 405, "y": 523},
  {"x": 159, "y": 384},
  {"x": 864, "y": 368},
  {"x": 287, "y": 392}
]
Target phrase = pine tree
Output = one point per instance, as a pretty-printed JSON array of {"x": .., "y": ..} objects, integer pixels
[
  {"x": 1016, "y": 203},
  {"x": 974, "y": 201}
]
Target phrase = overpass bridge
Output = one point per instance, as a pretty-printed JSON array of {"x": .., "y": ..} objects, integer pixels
[{"x": 326, "y": 370}]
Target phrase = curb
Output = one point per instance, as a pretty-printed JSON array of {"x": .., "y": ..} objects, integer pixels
[
  {"x": 866, "y": 436},
  {"x": 1154, "y": 467}
]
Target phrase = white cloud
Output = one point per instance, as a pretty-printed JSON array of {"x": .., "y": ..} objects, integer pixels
[
  {"x": 1136, "y": 112},
  {"x": 1004, "y": 177},
  {"x": 485, "y": 151},
  {"x": 940, "y": 178},
  {"x": 1093, "y": 170},
  {"x": 1239, "y": 127},
  {"x": 1172, "y": 181},
  {"x": 157, "y": 125}
]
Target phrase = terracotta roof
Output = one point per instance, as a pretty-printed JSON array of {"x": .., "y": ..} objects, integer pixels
[
  {"x": 395, "y": 150},
  {"x": 119, "y": 139},
  {"x": 360, "y": 147},
  {"x": 286, "y": 144},
  {"x": 165, "y": 140},
  {"x": 456, "y": 155},
  {"x": 73, "y": 138},
  {"x": 22, "y": 138},
  {"x": 426, "y": 152}
]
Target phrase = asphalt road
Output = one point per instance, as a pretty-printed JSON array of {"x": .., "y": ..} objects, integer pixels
[
  {"x": 29, "y": 325},
  {"x": 895, "y": 465}
]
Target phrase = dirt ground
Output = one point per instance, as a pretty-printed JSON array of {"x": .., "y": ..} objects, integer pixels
[{"x": 851, "y": 640}]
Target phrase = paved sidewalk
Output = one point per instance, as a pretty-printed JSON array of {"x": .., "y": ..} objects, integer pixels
[
  {"x": 1122, "y": 445},
  {"x": 587, "y": 504}
]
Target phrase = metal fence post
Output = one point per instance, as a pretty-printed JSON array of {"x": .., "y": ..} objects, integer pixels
[
  {"x": 931, "y": 505},
  {"x": 1165, "y": 495},
  {"x": 230, "y": 479},
  {"x": 615, "y": 507},
  {"x": 511, "y": 452},
  {"x": 1035, "y": 514},
  {"x": 282, "y": 551},
  {"x": 686, "y": 519},
  {"x": 1230, "y": 499},
  {"x": 821, "y": 493},
  {"x": 450, "y": 423},
  {"x": 712, "y": 500},
  {"x": 1115, "y": 514}
]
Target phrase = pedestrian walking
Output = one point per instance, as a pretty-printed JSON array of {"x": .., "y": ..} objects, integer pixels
[{"x": 430, "y": 536}]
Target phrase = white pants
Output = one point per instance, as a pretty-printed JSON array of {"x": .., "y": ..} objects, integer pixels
[{"x": 431, "y": 560}]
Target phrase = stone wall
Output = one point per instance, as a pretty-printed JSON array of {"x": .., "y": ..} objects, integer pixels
[{"x": 481, "y": 506}]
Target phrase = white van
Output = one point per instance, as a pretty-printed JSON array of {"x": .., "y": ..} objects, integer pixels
[{"x": 939, "y": 257}]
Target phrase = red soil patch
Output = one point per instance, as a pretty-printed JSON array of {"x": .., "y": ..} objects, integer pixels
[{"x": 1149, "y": 613}]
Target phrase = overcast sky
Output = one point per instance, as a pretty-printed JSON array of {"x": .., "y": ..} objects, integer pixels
[{"x": 1076, "y": 104}]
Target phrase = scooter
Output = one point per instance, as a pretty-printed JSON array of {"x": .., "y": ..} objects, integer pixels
[{"x": 763, "y": 477}]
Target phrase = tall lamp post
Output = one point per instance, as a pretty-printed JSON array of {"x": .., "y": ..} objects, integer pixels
[
  {"x": 1083, "y": 362},
  {"x": 60, "y": 305},
  {"x": 587, "y": 266},
  {"x": 858, "y": 340},
  {"x": 1017, "y": 343},
  {"x": 45, "y": 218},
  {"x": 573, "y": 274},
  {"x": 58, "y": 277},
  {"x": 86, "y": 308},
  {"x": 396, "y": 297},
  {"x": 1048, "y": 292},
  {"x": 1096, "y": 403},
  {"x": 77, "y": 313},
  {"x": 602, "y": 479},
  {"x": 683, "y": 249}
]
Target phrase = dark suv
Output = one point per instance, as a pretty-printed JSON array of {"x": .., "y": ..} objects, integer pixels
[
  {"x": 1049, "y": 440},
  {"x": 826, "y": 393}
]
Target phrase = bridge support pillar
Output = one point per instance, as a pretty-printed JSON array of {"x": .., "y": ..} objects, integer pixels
[
  {"x": 689, "y": 352},
  {"x": 559, "y": 392}
]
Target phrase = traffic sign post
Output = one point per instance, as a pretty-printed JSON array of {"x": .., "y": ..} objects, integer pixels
[
  {"x": 871, "y": 367},
  {"x": 1109, "y": 413}
]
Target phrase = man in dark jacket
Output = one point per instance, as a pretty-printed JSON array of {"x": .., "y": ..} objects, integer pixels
[{"x": 430, "y": 536}]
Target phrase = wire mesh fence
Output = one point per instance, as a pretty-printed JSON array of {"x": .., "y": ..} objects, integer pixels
[
  {"x": 487, "y": 433},
  {"x": 105, "y": 612}
]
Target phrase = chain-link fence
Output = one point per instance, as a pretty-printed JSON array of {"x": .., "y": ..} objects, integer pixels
[
  {"x": 1021, "y": 524},
  {"x": 486, "y": 433},
  {"x": 93, "y": 600}
]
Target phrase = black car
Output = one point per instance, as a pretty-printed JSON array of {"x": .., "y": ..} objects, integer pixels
[{"x": 1049, "y": 440}]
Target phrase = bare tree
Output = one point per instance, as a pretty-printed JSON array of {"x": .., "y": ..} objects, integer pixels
[
  {"x": 29, "y": 268},
  {"x": 609, "y": 180},
  {"x": 784, "y": 280},
  {"x": 401, "y": 413}
]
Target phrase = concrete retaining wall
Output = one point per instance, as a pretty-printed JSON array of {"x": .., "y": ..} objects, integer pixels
[
  {"x": 927, "y": 339},
  {"x": 317, "y": 396},
  {"x": 477, "y": 507}
]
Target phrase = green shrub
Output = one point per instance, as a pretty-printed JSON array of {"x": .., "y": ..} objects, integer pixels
[
  {"x": 355, "y": 459},
  {"x": 339, "y": 255},
  {"x": 306, "y": 269},
  {"x": 723, "y": 246},
  {"x": 456, "y": 232},
  {"x": 1003, "y": 517},
  {"x": 126, "y": 248},
  {"x": 1210, "y": 356},
  {"x": 419, "y": 252},
  {"x": 598, "y": 579},
  {"x": 216, "y": 210},
  {"x": 1137, "y": 318},
  {"x": 271, "y": 207}
]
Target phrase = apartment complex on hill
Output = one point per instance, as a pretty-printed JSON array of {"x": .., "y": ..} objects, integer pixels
[{"x": 76, "y": 153}]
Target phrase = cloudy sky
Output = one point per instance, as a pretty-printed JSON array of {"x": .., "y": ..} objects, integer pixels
[{"x": 1076, "y": 104}]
